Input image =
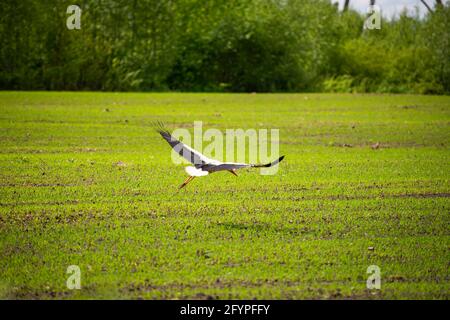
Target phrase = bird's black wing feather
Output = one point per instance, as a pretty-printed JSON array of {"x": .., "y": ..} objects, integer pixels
[
  {"x": 267, "y": 165},
  {"x": 191, "y": 155}
]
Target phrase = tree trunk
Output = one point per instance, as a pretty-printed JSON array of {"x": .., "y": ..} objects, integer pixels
[
  {"x": 426, "y": 5},
  {"x": 346, "y": 3}
]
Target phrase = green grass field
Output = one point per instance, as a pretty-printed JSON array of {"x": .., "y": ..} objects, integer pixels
[{"x": 86, "y": 181}]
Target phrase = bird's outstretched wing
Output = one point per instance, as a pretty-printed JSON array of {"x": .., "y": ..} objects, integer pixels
[
  {"x": 234, "y": 165},
  {"x": 267, "y": 165},
  {"x": 191, "y": 155}
]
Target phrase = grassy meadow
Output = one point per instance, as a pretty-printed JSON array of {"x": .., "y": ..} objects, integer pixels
[{"x": 85, "y": 180}]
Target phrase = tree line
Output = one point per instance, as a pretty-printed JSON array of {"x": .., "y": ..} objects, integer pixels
[{"x": 221, "y": 46}]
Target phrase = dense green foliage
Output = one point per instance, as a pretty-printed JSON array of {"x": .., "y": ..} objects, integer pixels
[
  {"x": 220, "y": 45},
  {"x": 196, "y": 45},
  {"x": 85, "y": 180}
]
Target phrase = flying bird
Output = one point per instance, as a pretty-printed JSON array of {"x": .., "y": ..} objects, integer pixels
[{"x": 202, "y": 164}]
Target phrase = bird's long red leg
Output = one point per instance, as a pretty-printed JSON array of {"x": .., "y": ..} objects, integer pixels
[
  {"x": 233, "y": 172},
  {"x": 189, "y": 179}
]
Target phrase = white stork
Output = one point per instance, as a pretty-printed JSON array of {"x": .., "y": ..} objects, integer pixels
[{"x": 202, "y": 164}]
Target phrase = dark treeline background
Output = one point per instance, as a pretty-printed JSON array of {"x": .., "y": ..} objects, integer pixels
[{"x": 220, "y": 45}]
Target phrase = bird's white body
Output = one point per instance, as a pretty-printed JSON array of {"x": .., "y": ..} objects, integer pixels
[{"x": 194, "y": 172}]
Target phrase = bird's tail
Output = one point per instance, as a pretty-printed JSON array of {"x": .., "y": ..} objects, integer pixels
[{"x": 267, "y": 165}]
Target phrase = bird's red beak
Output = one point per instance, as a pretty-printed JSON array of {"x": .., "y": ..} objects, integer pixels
[{"x": 233, "y": 171}]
